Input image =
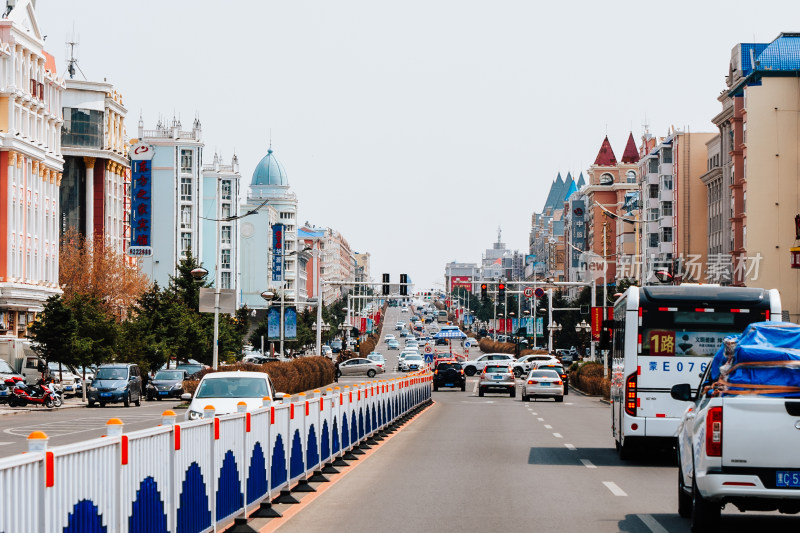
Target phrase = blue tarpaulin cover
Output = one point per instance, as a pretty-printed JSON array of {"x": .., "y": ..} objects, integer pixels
[{"x": 766, "y": 353}]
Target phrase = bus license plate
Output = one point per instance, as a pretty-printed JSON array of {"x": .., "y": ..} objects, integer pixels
[{"x": 787, "y": 478}]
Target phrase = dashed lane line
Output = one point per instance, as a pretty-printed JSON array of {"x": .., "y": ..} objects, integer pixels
[
  {"x": 614, "y": 488},
  {"x": 535, "y": 414},
  {"x": 548, "y": 426},
  {"x": 540, "y": 419},
  {"x": 558, "y": 435},
  {"x": 651, "y": 523},
  {"x": 587, "y": 463},
  {"x": 570, "y": 446}
]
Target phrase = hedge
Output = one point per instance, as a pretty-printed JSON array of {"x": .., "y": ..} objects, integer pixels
[
  {"x": 487, "y": 345},
  {"x": 588, "y": 377},
  {"x": 299, "y": 375}
]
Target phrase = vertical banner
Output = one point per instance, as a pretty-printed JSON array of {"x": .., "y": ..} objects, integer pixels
[
  {"x": 273, "y": 323},
  {"x": 290, "y": 323},
  {"x": 363, "y": 325},
  {"x": 277, "y": 252},
  {"x": 514, "y": 325},
  {"x": 141, "y": 200},
  {"x": 578, "y": 232},
  {"x": 529, "y": 326},
  {"x": 539, "y": 326}
]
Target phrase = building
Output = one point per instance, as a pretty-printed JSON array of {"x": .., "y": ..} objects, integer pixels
[
  {"x": 31, "y": 168},
  {"x": 173, "y": 227},
  {"x": 95, "y": 189},
  {"x": 464, "y": 275},
  {"x": 311, "y": 240},
  {"x": 605, "y": 194},
  {"x": 760, "y": 167},
  {"x": 499, "y": 262},
  {"x": 219, "y": 209},
  {"x": 274, "y": 203},
  {"x": 547, "y": 245},
  {"x": 337, "y": 265},
  {"x": 362, "y": 266},
  {"x": 674, "y": 228}
]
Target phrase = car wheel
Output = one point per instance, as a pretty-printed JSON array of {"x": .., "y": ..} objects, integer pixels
[
  {"x": 518, "y": 372},
  {"x": 513, "y": 393},
  {"x": 127, "y": 401},
  {"x": 159, "y": 398},
  {"x": 463, "y": 387},
  {"x": 470, "y": 371},
  {"x": 370, "y": 373},
  {"x": 435, "y": 388},
  {"x": 91, "y": 404},
  {"x": 138, "y": 400},
  {"x": 705, "y": 513},
  {"x": 480, "y": 391},
  {"x": 559, "y": 398},
  {"x": 338, "y": 374},
  {"x": 102, "y": 404},
  {"x": 684, "y": 497}
]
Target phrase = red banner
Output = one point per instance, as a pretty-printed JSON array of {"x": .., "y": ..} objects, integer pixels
[
  {"x": 597, "y": 320},
  {"x": 363, "y": 327},
  {"x": 461, "y": 281}
]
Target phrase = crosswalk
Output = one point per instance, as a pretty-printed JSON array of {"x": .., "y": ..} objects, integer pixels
[{"x": 72, "y": 426}]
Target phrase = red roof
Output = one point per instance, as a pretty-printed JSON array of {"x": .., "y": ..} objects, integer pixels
[
  {"x": 631, "y": 154},
  {"x": 606, "y": 157}
]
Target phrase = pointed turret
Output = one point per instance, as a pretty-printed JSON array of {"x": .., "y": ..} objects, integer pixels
[
  {"x": 631, "y": 154},
  {"x": 581, "y": 182},
  {"x": 606, "y": 157}
]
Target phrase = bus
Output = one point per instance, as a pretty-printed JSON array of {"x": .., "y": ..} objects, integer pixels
[
  {"x": 665, "y": 335},
  {"x": 441, "y": 317}
]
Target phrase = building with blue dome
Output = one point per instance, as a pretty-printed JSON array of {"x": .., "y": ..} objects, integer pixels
[{"x": 273, "y": 201}]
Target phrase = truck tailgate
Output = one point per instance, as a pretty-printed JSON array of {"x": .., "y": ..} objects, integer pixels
[{"x": 761, "y": 432}]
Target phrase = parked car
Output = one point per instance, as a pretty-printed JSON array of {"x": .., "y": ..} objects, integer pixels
[
  {"x": 67, "y": 377},
  {"x": 166, "y": 384},
  {"x": 497, "y": 377},
  {"x": 224, "y": 391},
  {"x": 448, "y": 373},
  {"x": 117, "y": 382},
  {"x": 474, "y": 366},
  {"x": 359, "y": 366},
  {"x": 336, "y": 345},
  {"x": 543, "y": 383}
]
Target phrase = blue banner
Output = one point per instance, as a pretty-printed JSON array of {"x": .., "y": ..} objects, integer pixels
[
  {"x": 277, "y": 252},
  {"x": 141, "y": 204},
  {"x": 273, "y": 323},
  {"x": 289, "y": 323}
]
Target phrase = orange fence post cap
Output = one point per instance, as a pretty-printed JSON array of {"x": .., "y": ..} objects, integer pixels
[{"x": 37, "y": 435}]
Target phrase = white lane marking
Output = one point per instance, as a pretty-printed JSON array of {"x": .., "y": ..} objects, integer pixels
[
  {"x": 568, "y": 403},
  {"x": 651, "y": 523},
  {"x": 587, "y": 463},
  {"x": 540, "y": 419},
  {"x": 558, "y": 435},
  {"x": 614, "y": 488},
  {"x": 4, "y": 443},
  {"x": 475, "y": 388},
  {"x": 535, "y": 414},
  {"x": 548, "y": 426},
  {"x": 570, "y": 446}
]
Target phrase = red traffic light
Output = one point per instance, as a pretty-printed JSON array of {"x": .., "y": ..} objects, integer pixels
[
  {"x": 484, "y": 286},
  {"x": 502, "y": 286}
]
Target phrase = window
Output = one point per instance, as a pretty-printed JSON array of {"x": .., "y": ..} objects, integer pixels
[
  {"x": 631, "y": 176},
  {"x": 654, "y": 215},
  {"x": 226, "y": 189},
  {"x": 666, "y": 183},
  {"x": 666, "y": 234},
  {"x": 666, "y": 155},
  {"x": 82, "y": 127},
  {"x": 666, "y": 209},
  {"x": 286, "y": 215},
  {"x": 186, "y": 242},
  {"x": 652, "y": 165},
  {"x": 225, "y": 235},
  {"x": 225, "y": 258},
  {"x": 186, "y": 189},
  {"x": 186, "y": 216},
  {"x": 186, "y": 161},
  {"x": 653, "y": 191},
  {"x": 225, "y": 280},
  {"x": 226, "y": 210}
]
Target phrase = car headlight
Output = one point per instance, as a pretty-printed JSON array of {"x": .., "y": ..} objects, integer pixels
[
  {"x": 177, "y": 386},
  {"x": 92, "y": 389},
  {"x": 194, "y": 415},
  {"x": 122, "y": 388}
]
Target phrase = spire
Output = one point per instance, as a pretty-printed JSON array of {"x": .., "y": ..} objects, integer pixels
[
  {"x": 581, "y": 182},
  {"x": 606, "y": 157},
  {"x": 631, "y": 154}
]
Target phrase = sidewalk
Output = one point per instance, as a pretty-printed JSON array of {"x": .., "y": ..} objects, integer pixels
[{"x": 69, "y": 403}]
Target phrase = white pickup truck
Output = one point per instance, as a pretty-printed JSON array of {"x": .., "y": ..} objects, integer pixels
[{"x": 738, "y": 443}]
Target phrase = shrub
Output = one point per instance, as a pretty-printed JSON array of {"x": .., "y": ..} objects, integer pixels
[{"x": 588, "y": 377}]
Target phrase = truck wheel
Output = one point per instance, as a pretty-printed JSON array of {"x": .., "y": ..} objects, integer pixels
[
  {"x": 470, "y": 371},
  {"x": 684, "y": 498},
  {"x": 705, "y": 513}
]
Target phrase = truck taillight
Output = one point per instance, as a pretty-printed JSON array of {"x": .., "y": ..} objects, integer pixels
[
  {"x": 630, "y": 395},
  {"x": 714, "y": 432}
]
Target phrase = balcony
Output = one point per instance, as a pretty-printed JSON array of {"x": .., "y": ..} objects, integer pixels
[
  {"x": 666, "y": 247},
  {"x": 665, "y": 169},
  {"x": 653, "y": 179},
  {"x": 652, "y": 226},
  {"x": 665, "y": 221},
  {"x": 666, "y": 195},
  {"x": 653, "y": 203}
]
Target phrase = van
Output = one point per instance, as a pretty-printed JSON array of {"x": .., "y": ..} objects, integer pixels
[{"x": 117, "y": 382}]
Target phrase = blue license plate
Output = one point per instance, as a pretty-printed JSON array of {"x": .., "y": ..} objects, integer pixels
[
  {"x": 497, "y": 377},
  {"x": 68, "y": 387},
  {"x": 449, "y": 385},
  {"x": 787, "y": 478},
  {"x": 105, "y": 394},
  {"x": 544, "y": 384},
  {"x": 3, "y": 393},
  {"x": 163, "y": 392}
]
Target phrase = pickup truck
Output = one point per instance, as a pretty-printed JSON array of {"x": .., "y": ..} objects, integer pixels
[{"x": 738, "y": 442}]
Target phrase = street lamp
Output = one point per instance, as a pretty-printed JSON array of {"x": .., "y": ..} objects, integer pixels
[
  {"x": 553, "y": 327},
  {"x": 583, "y": 327},
  {"x": 200, "y": 273},
  {"x": 324, "y": 328}
]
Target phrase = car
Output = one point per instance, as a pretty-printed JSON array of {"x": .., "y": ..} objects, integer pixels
[
  {"x": 404, "y": 309},
  {"x": 448, "y": 373},
  {"x": 412, "y": 362},
  {"x": 392, "y": 344},
  {"x": 543, "y": 383},
  {"x": 255, "y": 359},
  {"x": 166, "y": 384},
  {"x": 405, "y": 333},
  {"x": 224, "y": 391},
  {"x": 474, "y": 366},
  {"x": 557, "y": 367},
  {"x": 389, "y": 337},
  {"x": 192, "y": 369},
  {"x": 497, "y": 376},
  {"x": 66, "y": 376},
  {"x": 327, "y": 351},
  {"x": 524, "y": 364},
  {"x": 412, "y": 343},
  {"x": 403, "y": 355},
  {"x": 117, "y": 382},
  {"x": 336, "y": 345},
  {"x": 359, "y": 366},
  {"x": 378, "y": 359},
  {"x": 399, "y": 325}
]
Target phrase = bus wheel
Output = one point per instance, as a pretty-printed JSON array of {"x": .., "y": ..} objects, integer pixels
[{"x": 625, "y": 450}]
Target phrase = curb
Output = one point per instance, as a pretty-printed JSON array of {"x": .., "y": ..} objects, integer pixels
[{"x": 13, "y": 411}]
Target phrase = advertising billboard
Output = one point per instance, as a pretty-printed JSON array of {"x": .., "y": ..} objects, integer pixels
[{"x": 141, "y": 200}]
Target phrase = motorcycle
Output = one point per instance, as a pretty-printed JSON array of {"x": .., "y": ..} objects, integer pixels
[{"x": 22, "y": 394}]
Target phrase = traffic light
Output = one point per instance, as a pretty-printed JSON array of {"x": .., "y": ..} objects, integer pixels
[
  {"x": 386, "y": 284},
  {"x": 403, "y": 284},
  {"x": 484, "y": 291},
  {"x": 501, "y": 290}
]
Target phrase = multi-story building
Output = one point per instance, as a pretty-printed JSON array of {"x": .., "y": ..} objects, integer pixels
[
  {"x": 760, "y": 171},
  {"x": 173, "y": 227},
  {"x": 362, "y": 265},
  {"x": 274, "y": 203},
  {"x": 31, "y": 168},
  {"x": 311, "y": 239},
  {"x": 219, "y": 209},
  {"x": 547, "y": 257},
  {"x": 95, "y": 189},
  {"x": 674, "y": 229},
  {"x": 719, "y": 198},
  {"x": 605, "y": 195},
  {"x": 499, "y": 262},
  {"x": 338, "y": 265},
  {"x": 464, "y": 275}
]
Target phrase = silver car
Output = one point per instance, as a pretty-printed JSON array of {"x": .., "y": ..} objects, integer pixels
[
  {"x": 412, "y": 362},
  {"x": 497, "y": 377},
  {"x": 543, "y": 383},
  {"x": 359, "y": 367}
]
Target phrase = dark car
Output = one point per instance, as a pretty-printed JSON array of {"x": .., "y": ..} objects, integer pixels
[
  {"x": 192, "y": 369},
  {"x": 561, "y": 372},
  {"x": 449, "y": 374},
  {"x": 118, "y": 382},
  {"x": 336, "y": 345},
  {"x": 166, "y": 384}
]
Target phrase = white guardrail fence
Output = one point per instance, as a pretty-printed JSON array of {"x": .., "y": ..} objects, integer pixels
[{"x": 194, "y": 476}]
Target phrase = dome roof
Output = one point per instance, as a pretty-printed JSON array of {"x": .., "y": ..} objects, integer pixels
[{"x": 269, "y": 172}]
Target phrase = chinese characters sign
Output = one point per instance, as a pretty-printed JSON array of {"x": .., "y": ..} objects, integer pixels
[
  {"x": 141, "y": 200},
  {"x": 683, "y": 343},
  {"x": 277, "y": 252},
  {"x": 578, "y": 232},
  {"x": 461, "y": 281}
]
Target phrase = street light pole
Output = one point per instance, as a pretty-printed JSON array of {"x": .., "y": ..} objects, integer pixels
[
  {"x": 217, "y": 277},
  {"x": 283, "y": 285},
  {"x": 319, "y": 298}
]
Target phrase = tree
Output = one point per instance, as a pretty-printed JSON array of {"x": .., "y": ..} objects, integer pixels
[{"x": 53, "y": 331}]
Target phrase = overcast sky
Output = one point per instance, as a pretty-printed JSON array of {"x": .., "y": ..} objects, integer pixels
[{"x": 416, "y": 128}]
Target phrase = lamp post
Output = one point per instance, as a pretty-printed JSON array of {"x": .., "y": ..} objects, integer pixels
[
  {"x": 583, "y": 327},
  {"x": 200, "y": 273},
  {"x": 325, "y": 327},
  {"x": 553, "y": 327},
  {"x": 268, "y": 296}
]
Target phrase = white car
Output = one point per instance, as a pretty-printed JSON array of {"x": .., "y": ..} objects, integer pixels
[
  {"x": 543, "y": 383},
  {"x": 412, "y": 362},
  {"x": 403, "y": 355},
  {"x": 399, "y": 325},
  {"x": 525, "y": 364},
  {"x": 67, "y": 377},
  {"x": 224, "y": 390},
  {"x": 387, "y": 338},
  {"x": 476, "y": 366}
]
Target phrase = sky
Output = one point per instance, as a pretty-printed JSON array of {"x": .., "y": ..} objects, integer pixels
[{"x": 415, "y": 128}]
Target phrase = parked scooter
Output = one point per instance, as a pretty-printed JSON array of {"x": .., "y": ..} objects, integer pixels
[{"x": 22, "y": 394}]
